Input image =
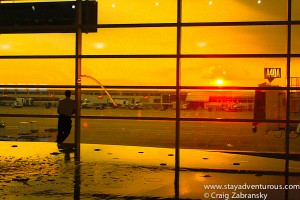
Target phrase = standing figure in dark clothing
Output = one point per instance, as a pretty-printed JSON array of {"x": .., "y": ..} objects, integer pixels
[{"x": 66, "y": 108}]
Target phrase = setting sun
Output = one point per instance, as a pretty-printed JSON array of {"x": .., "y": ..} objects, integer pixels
[{"x": 219, "y": 82}]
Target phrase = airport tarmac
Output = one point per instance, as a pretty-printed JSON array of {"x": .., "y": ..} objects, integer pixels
[
  {"x": 135, "y": 159},
  {"x": 231, "y": 136}
]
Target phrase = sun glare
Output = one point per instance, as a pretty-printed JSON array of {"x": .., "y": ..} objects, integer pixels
[{"x": 219, "y": 82}]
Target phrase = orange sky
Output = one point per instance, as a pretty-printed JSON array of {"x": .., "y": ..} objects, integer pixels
[{"x": 195, "y": 40}]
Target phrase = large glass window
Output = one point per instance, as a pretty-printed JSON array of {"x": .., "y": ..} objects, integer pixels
[
  {"x": 234, "y": 136},
  {"x": 130, "y": 41},
  {"x": 223, "y": 85},
  {"x": 234, "y": 40},
  {"x": 31, "y": 129},
  {"x": 135, "y": 11},
  {"x": 37, "y": 71},
  {"x": 130, "y": 103},
  {"x": 233, "y": 10},
  {"x": 130, "y": 71},
  {"x": 230, "y": 71},
  {"x": 295, "y": 39},
  {"x": 295, "y": 10},
  {"x": 129, "y": 132},
  {"x": 32, "y": 44},
  {"x": 295, "y": 71}
]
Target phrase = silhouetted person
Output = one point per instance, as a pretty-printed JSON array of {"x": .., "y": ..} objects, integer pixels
[{"x": 66, "y": 108}]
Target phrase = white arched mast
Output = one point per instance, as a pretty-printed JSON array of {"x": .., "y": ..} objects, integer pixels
[{"x": 92, "y": 78}]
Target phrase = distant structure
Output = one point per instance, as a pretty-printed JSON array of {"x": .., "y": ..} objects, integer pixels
[{"x": 90, "y": 77}]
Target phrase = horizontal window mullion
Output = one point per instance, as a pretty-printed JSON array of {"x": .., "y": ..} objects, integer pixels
[
  {"x": 243, "y": 23},
  {"x": 152, "y": 56},
  {"x": 233, "y": 120},
  {"x": 37, "y": 86},
  {"x": 249, "y": 23},
  {"x": 157, "y": 118},
  {"x": 233, "y": 55}
]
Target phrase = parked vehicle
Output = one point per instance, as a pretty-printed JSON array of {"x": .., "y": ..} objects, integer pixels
[{"x": 19, "y": 103}]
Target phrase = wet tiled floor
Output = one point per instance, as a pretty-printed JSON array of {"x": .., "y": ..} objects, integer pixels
[{"x": 37, "y": 170}]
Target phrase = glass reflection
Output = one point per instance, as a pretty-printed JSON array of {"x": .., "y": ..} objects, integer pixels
[{"x": 196, "y": 184}]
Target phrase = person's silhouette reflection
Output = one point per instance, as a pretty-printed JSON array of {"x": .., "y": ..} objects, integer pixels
[{"x": 67, "y": 149}]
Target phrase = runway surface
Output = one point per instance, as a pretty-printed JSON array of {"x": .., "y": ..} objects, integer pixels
[
  {"x": 135, "y": 159},
  {"x": 231, "y": 136}
]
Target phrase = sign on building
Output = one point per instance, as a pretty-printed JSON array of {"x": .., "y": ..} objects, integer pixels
[{"x": 272, "y": 73}]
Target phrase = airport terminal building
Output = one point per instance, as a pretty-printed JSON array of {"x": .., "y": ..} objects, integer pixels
[{"x": 204, "y": 75}]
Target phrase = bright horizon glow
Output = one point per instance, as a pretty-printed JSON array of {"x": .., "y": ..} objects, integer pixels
[{"x": 219, "y": 82}]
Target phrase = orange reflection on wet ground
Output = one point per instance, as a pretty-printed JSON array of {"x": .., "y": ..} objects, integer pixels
[{"x": 38, "y": 170}]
